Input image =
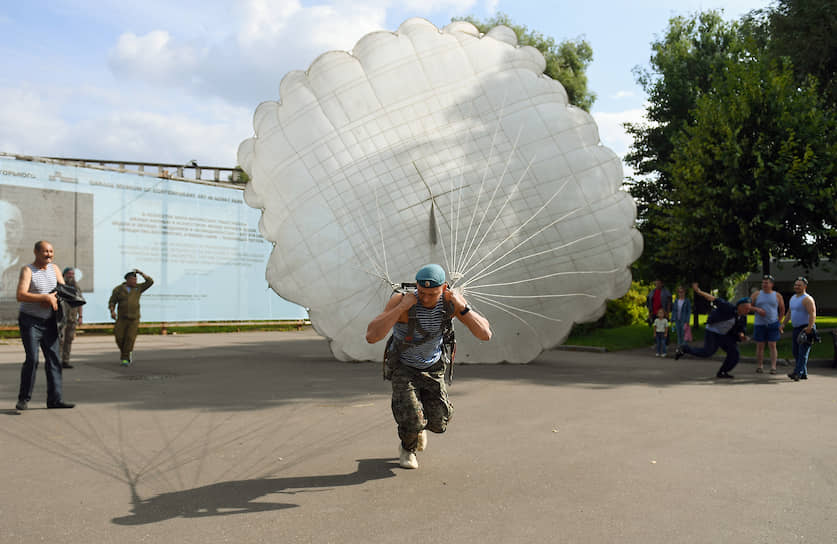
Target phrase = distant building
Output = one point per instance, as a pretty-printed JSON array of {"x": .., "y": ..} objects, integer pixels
[{"x": 822, "y": 281}]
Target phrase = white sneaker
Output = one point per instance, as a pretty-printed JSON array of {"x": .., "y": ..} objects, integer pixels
[
  {"x": 407, "y": 459},
  {"x": 422, "y": 441},
  {"x": 662, "y": 355}
]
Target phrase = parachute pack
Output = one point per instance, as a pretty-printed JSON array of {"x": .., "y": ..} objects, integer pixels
[{"x": 394, "y": 348}]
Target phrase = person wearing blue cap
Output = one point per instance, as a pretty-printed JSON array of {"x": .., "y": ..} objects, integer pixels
[
  {"x": 418, "y": 321},
  {"x": 725, "y": 327}
]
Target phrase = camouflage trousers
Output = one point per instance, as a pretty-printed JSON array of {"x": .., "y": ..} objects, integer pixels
[
  {"x": 419, "y": 401},
  {"x": 66, "y": 335}
]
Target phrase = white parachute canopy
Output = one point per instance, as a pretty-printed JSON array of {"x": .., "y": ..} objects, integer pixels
[{"x": 445, "y": 146}]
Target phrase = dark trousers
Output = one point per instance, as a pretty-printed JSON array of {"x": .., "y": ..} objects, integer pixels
[
  {"x": 711, "y": 342},
  {"x": 36, "y": 332},
  {"x": 125, "y": 331},
  {"x": 800, "y": 352}
]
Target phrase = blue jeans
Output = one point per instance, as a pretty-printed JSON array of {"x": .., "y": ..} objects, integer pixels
[
  {"x": 678, "y": 326},
  {"x": 36, "y": 332},
  {"x": 800, "y": 353},
  {"x": 711, "y": 342},
  {"x": 660, "y": 340}
]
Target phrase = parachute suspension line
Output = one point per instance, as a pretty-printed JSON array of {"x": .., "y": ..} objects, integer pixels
[
  {"x": 507, "y": 311},
  {"x": 496, "y": 303},
  {"x": 455, "y": 232},
  {"x": 441, "y": 238},
  {"x": 486, "y": 272},
  {"x": 374, "y": 274},
  {"x": 562, "y": 295},
  {"x": 366, "y": 246},
  {"x": 500, "y": 211},
  {"x": 381, "y": 230},
  {"x": 467, "y": 252},
  {"x": 485, "y": 172},
  {"x": 518, "y": 229},
  {"x": 555, "y": 274}
]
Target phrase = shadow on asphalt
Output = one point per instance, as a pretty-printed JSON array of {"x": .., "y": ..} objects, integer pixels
[
  {"x": 241, "y": 496},
  {"x": 253, "y": 375}
]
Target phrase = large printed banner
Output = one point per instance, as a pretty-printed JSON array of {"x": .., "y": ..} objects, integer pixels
[{"x": 199, "y": 242}]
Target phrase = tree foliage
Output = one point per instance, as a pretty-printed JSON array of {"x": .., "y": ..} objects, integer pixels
[
  {"x": 683, "y": 65},
  {"x": 736, "y": 163},
  {"x": 566, "y": 61},
  {"x": 754, "y": 174},
  {"x": 805, "y": 31}
]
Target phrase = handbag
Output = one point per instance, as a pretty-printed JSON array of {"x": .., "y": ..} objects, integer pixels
[{"x": 687, "y": 332}]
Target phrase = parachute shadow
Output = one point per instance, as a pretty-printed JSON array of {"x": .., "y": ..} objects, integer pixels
[{"x": 241, "y": 496}]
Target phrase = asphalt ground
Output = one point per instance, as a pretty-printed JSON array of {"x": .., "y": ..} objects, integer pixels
[{"x": 264, "y": 437}]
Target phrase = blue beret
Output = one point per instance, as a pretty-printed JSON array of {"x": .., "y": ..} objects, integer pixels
[
  {"x": 430, "y": 275},
  {"x": 742, "y": 300}
]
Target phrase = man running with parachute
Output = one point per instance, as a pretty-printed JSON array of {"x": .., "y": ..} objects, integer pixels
[{"x": 419, "y": 352}]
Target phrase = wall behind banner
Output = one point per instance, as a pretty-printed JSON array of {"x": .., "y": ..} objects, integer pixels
[{"x": 200, "y": 243}]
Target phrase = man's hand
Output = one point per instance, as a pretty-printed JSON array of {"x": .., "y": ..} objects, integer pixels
[
  {"x": 458, "y": 301},
  {"x": 51, "y": 301},
  {"x": 112, "y": 313},
  {"x": 762, "y": 312},
  {"x": 408, "y": 300}
]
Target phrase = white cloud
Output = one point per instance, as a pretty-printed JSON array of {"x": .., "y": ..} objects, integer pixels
[
  {"x": 265, "y": 40},
  {"x": 612, "y": 132},
  {"x": 112, "y": 125},
  {"x": 29, "y": 121},
  {"x": 623, "y": 94}
]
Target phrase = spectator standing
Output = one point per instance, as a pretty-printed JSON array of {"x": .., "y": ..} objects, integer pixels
[
  {"x": 681, "y": 314},
  {"x": 38, "y": 326},
  {"x": 658, "y": 298},
  {"x": 803, "y": 315},
  {"x": 72, "y": 319},
  {"x": 769, "y": 307},
  {"x": 661, "y": 333}
]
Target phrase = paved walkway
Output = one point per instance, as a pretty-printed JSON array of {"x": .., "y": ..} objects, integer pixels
[{"x": 263, "y": 437}]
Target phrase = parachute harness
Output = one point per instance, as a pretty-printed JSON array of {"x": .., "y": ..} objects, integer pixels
[{"x": 394, "y": 348}]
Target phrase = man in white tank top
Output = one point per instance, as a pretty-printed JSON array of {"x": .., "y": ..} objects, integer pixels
[
  {"x": 38, "y": 326},
  {"x": 803, "y": 315},
  {"x": 769, "y": 307}
]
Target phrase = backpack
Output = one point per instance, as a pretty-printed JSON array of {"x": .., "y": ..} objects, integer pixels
[{"x": 393, "y": 349}]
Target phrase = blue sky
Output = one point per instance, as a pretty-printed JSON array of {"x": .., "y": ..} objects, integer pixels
[{"x": 175, "y": 81}]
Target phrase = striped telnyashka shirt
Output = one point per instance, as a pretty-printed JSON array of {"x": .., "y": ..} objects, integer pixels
[{"x": 43, "y": 281}]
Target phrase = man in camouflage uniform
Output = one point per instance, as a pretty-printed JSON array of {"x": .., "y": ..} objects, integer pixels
[
  {"x": 124, "y": 305},
  {"x": 71, "y": 319},
  {"x": 419, "y": 394}
]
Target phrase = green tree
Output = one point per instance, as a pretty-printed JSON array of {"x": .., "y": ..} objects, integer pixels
[
  {"x": 683, "y": 65},
  {"x": 566, "y": 61},
  {"x": 804, "y": 31},
  {"x": 754, "y": 175}
]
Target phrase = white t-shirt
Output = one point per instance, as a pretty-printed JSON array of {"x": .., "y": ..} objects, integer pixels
[{"x": 660, "y": 325}]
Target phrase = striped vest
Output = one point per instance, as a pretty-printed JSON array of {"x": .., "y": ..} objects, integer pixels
[{"x": 43, "y": 281}]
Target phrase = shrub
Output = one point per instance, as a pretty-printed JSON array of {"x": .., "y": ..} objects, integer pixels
[{"x": 627, "y": 310}]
